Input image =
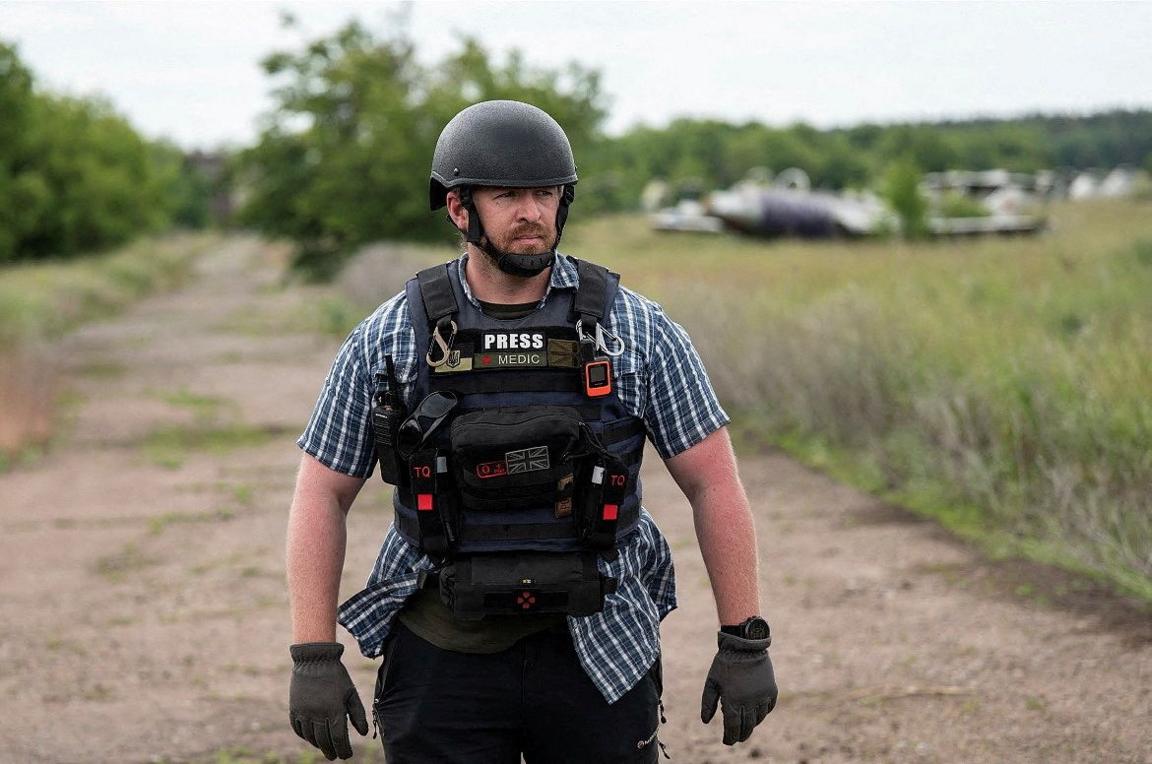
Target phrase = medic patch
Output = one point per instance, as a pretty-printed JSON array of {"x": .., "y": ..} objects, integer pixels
[
  {"x": 504, "y": 360},
  {"x": 527, "y": 460}
]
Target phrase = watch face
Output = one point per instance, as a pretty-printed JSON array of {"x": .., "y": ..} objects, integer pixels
[{"x": 756, "y": 628}]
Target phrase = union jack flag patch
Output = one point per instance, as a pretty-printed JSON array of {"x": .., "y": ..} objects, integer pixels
[{"x": 527, "y": 460}]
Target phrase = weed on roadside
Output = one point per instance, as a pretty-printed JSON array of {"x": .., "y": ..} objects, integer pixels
[
  {"x": 362, "y": 754},
  {"x": 171, "y": 445},
  {"x": 243, "y": 494},
  {"x": 102, "y": 370},
  {"x": 116, "y": 567},
  {"x": 202, "y": 406},
  {"x": 158, "y": 524}
]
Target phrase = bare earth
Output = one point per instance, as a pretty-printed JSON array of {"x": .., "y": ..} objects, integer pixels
[{"x": 143, "y": 614}]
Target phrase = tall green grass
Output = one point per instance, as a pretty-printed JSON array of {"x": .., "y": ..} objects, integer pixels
[{"x": 1003, "y": 385}]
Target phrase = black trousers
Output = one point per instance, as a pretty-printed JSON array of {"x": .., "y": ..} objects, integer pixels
[{"x": 533, "y": 699}]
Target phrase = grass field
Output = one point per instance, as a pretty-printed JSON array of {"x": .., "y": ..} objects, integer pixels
[{"x": 1003, "y": 386}]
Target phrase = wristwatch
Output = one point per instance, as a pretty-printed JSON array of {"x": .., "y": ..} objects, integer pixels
[{"x": 752, "y": 628}]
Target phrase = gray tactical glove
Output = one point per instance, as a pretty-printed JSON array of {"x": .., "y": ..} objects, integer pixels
[
  {"x": 322, "y": 696},
  {"x": 741, "y": 679}
]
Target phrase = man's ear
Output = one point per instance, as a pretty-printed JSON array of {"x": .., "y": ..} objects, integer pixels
[{"x": 456, "y": 211}]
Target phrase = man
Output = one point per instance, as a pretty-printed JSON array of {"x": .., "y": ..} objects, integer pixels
[{"x": 517, "y": 596}]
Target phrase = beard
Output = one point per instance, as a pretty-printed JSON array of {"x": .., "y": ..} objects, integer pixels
[
  {"x": 520, "y": 258},
  {"x": 509, "y": 243}
]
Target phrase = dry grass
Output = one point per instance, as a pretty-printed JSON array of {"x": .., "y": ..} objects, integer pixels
[
  {"x": 28, "y": 385},
  {"x": 1004, "y": 385},
  {"x": 40, "y": 302}
]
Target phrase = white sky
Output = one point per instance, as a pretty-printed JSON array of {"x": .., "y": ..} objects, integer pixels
[{"x": 190, "y": 70}]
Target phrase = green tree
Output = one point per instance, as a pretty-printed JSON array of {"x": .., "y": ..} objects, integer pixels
[
  {"x": 20, "y": 191},
  {"x": 343, "y": 158},
  {"x": 75, "y": 176},
  {"x": 902, "y": 191},
  {"x": 99, "y": 175}
]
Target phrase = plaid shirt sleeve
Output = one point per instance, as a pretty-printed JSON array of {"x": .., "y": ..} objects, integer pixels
[
  {"x": 339, "y": 432},
  {"x": 682, "y": 408}
]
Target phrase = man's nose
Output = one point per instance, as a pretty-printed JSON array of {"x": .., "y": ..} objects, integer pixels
[{"x": 530, "y": 209}]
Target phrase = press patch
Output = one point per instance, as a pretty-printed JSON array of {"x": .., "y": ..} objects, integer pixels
[
  {"x": 490, "y": 341},
  {"x": 527, "y": 460}
]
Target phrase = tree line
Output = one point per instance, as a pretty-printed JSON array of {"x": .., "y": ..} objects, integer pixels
[
  {"x": 343, "y": 159},
  {"x": 76, "y": 177},
  {"x": 694, "y": 154},
  {"x": 344, "y": 156}
]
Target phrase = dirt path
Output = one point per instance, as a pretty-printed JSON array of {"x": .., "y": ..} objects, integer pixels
[{"x": 143, "y": 615}]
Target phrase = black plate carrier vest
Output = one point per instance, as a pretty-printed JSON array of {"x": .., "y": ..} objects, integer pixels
[{"x": 528, "y": 461}]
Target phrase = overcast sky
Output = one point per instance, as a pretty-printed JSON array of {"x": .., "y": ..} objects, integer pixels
[{"x": 190, "y": 70}]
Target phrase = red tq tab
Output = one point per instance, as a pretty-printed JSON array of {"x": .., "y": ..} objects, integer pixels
[
  {"x": 610, "y": 511},
  {"x": 424, "y": 502}
]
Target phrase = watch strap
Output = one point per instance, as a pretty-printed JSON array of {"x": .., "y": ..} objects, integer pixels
[{"x": 753, "y": 627}]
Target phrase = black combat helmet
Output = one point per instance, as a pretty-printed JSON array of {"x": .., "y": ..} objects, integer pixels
[{"x": 509, "y": 144}]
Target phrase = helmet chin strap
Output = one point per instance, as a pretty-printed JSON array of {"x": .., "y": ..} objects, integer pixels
[
  {"x": 512, "y": 263},
  {"x": 515, "y": 264}
]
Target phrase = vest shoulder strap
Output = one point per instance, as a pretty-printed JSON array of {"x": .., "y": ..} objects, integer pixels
[
  {"x": 590, "y": 304},
  {"x": 436, "y": 292}
]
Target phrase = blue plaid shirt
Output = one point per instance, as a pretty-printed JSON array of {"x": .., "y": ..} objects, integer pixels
[{"x": 659, "y": 379}]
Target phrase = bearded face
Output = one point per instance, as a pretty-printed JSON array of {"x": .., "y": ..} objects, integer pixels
[
  {"x": 519, "y": 230},
  {"x": 519, "y": 220},
  {"x": 527, "y": 239}
]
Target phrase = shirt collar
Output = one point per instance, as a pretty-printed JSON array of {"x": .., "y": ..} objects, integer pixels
[{"x": 564, "y": 276}]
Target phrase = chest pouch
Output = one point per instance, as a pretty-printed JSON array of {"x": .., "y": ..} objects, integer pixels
[
  {"x": 516, "y": 458},
  {"x": 512, "y": 583}
]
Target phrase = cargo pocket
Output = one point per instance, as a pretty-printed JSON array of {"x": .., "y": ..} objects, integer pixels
[{"x": 514, "y": 458}]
